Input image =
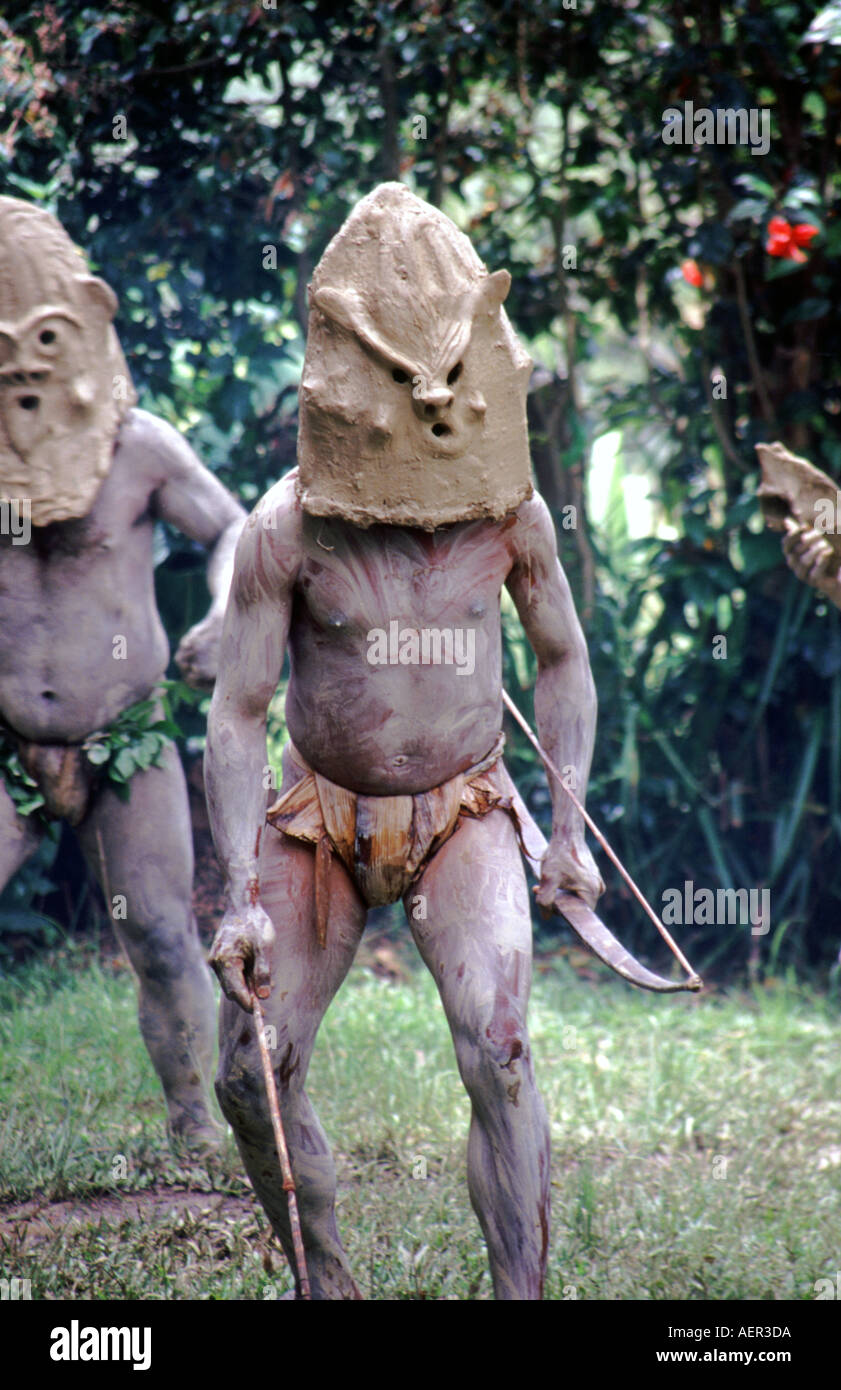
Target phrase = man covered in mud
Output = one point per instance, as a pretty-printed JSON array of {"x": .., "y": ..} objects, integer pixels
[
  {"x": 83, "y": 479},
  {"x": 379, "y": 563}
]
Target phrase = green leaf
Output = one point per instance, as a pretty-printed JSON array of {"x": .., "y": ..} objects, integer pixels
[
  {"x": 124, "y": 764},
  {"x": 136, "y": 716},
  {"x": 715, "y": 846},
  {"x": 807, "y": 310},
  {"x": 826, "y": 26},
  {"x": 832, "y": 242},
  {"x": 748, "y": 209},
  {"x": 802, "y": 197},
  {"x": 760, "y": 187},
  {"x": 760, "y": 552},
  {"x": 788, "y": 828}
]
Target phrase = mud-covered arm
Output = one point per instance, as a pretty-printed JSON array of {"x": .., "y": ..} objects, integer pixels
[
  {"x": 253, "y": 644},
  {"x": 190, "y": 498},
  {"x": 565, "y": 695}
]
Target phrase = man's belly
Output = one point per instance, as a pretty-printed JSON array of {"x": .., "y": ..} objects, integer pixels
[
  {"x": 395, "y": 738},
  {"x": 64, "y": 695}
]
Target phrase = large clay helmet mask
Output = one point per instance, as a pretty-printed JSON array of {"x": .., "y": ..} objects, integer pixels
[
  {"x": 64, "y": 383},
  {"x": 413, "y": 395}
]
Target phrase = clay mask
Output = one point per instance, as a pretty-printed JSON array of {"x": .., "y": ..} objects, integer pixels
[
  {"x": 413, "y": 395},
  {"x": 64, "y": 383}
]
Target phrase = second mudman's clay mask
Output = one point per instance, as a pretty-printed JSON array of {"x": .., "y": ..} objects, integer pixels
[
  {"x": 64, "y": 383},
  {"x": 413, "y": 396}
]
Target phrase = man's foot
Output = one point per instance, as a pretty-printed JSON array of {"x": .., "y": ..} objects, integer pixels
[{"x": 197, "y": 1137}]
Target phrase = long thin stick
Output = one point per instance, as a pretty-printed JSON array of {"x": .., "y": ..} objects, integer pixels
[
  {"x": 282, "y": 1151},
  {"x": 612, "y": 856}
]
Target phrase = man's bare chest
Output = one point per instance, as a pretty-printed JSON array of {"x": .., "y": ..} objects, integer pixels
[
  {"x": 370, "y": 578},
  {"x": 104, "y": 548}
]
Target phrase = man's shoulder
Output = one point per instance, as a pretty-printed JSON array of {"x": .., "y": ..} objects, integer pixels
[
  {"x": 146, "y": 445},
  {"x": 272, "y": 536},
  {"x": 532, "y": 524},
  {"x": 140, "y": 428},
  {"x": 279, "y": 509},
  {"x": 154, "y": 445},
  {"x": 533, "y": 511}
]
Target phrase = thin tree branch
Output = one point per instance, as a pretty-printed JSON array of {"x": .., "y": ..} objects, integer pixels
[{"x": 750, "y": 345}]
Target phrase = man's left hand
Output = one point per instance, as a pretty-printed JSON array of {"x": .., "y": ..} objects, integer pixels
[{"x": 569, "y": 866}]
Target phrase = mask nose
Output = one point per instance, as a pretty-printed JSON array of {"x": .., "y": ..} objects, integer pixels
[
  {"x": 432, "y": 402},
  {"x": 23, "y": 417}
]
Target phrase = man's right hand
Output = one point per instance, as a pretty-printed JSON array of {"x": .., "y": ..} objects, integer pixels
[
  {"x": 809, "y": 554},
  {"x": 241, "y": 952}
]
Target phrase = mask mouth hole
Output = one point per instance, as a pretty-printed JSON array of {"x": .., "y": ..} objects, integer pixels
[
  {"x": 29, "y": 402},
  {"x": 441, "y": 430}
]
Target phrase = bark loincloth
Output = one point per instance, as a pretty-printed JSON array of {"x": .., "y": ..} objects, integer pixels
[{"x": 384, "y": 842}]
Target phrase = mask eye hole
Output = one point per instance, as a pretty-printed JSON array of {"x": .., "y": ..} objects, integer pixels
[
  {"x": 454, "y": 375},
  {"x": 399, "y": 376},
  {"x": 50, "y": 337}
]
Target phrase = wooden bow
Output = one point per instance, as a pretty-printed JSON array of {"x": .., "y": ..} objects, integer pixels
[{"x": 583, "y": 920}]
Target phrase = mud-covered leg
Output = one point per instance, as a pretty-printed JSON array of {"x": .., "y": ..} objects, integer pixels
[
  {"x": 141, "y": 852},
  {"x": 476, "y": 940},
  {"x": 18, "y": 838},
  {"x": 304, "y": 979}
]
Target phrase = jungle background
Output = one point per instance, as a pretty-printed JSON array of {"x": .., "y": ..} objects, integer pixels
[{"x": 204, "y": 154}]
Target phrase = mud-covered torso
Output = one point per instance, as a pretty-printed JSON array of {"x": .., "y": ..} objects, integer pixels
[
  {"x": 395, "y": 652},
  {"x": 70, "y": 595}
]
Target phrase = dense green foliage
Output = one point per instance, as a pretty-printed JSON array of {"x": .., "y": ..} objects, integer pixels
[{"x": 203, "y": 154}]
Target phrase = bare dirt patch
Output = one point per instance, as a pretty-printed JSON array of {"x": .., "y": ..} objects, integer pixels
[{"x": 35, "y": 1220}]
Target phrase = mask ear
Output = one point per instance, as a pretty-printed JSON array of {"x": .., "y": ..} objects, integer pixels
[
  {"x": 345, "y": 308},
  {"x": 493, "y": 292},
  {"x": 98, "y": 294},
  {"x": 338, "y": 305}
]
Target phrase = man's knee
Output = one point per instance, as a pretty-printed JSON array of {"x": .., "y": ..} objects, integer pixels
[
  {"x": 239, "y": 1090},
  {"x": 495, "y": 1059},
  {"x": 240, "y": 1084},
  {"x": 239, "y": 1076},
  {"x": 19, "y": 838},
  {"x": 163, "y": 946}
]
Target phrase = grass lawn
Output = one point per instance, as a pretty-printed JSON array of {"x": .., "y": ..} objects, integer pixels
[{"x": 696, "y": 1146}]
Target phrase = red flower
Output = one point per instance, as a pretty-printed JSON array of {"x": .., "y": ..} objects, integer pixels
[
  {"x": 691, "y": 274},
  {"x": 785, "y": 240}
]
